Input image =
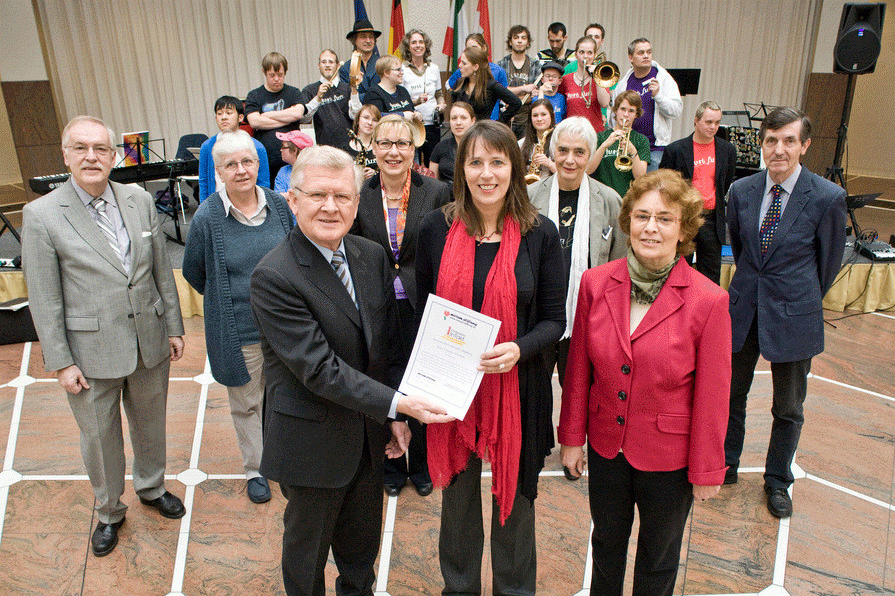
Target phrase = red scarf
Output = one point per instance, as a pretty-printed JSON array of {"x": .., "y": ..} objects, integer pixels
[{"x": 494, "y": 416}]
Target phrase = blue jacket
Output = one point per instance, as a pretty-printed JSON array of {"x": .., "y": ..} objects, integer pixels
[{"x": 205, "y": 270}]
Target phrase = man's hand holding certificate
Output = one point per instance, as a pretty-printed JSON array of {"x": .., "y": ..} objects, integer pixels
[{"x": 454, "y": 347}]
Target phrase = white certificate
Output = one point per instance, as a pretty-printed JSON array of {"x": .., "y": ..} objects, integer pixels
[{"x": 446, "y": 354}]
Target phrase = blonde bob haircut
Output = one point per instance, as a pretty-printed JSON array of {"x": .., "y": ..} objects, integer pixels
[{"x": 398, "y": 121}]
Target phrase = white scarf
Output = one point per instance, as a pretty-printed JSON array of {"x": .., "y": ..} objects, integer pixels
[{"x": 580, "y": 243}]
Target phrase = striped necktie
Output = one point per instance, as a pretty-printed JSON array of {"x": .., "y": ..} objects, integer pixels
[
  {"x": 105, "y": 224},
  {"x": 341, "y": 269},
  {"x": 771, "y": 219}
]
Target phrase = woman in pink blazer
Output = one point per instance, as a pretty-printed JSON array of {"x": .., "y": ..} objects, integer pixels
[{"x": 647, "y": 385}]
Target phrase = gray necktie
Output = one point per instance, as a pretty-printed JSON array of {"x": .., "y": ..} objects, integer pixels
[
  {"x": 105, "y": 224},
  {"x": 341, "y": 269}
]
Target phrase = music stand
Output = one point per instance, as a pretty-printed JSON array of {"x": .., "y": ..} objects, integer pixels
[
  {"x": 854, "y": 202},
  {"x": 758, "y": 111},
  {"x": 8, "y": 225},
  {"x": 687, "y": 80}
]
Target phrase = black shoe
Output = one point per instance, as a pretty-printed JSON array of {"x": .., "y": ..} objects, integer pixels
[
  {"x": 258, "y": 489},
  {"x": 424, "y": 489},
  {"x": 168, "y": 505},
  {"x": 779, "y": 502},
  {"x": 568, "y": 474},
  {"x": 105, "y": 537},
  {"x": 730, "y": 476},
  {"x": 393, "y": 490}
]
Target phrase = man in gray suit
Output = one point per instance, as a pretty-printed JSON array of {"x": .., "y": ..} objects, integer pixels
[
  {"x": 787, "y": 229},
  {"x": 106, "y": 311}
]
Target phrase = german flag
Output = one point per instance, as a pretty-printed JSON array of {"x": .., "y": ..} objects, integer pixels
[{"x": 396, "y": 31}]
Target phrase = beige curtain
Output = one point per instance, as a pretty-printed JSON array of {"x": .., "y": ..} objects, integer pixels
[{"x": 158, "y": 65}]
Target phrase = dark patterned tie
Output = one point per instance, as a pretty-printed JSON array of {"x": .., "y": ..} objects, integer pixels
[
  {"x": 771, "y": 219},
  {"x": 341, "y": 269},
  {"x": 105, "y": 224}
]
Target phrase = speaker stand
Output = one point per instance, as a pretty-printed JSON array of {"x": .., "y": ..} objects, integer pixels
[{"x": 835, "y": 172}]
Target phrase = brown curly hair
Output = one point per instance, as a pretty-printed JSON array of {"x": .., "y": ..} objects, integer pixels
[{"x": 674, "y": 189}]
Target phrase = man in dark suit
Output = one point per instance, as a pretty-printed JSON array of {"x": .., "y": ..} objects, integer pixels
[
  {"x": 787, "y": 230},
  {"x": 106, "y": 311},
  {"x": 709, "y": 163},
  {"x": 324, "y": 303}
]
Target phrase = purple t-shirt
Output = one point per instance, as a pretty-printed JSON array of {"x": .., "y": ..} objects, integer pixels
[{"x": 644, "y": 124}]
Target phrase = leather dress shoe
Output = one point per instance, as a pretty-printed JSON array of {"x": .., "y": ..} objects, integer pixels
[
  {"x": 105, "y": 537},
  {"x": 168, "y": 505},
  {"x": 258, "y": 489},
  {"x": 393, "y": 490},
  {"x": 779, "y": 502},
  {"x": 730, "y": 476},
  {"x": 424, "y": 489}
]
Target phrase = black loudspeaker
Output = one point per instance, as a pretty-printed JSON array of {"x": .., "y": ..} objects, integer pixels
[{"x": 858, "y": 42}]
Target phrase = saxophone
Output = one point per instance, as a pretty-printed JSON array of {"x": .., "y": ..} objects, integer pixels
[
  {"x": 361, "y": 158},
  {"x": 533, "y": 176}
]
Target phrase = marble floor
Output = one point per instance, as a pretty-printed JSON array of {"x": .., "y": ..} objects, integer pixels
[{"x": 840, "y": 540}]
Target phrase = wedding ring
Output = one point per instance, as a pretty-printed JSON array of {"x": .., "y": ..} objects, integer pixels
[{"x": 500, "y": 365}]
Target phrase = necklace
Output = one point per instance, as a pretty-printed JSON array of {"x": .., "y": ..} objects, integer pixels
[
  {"x": 585, "y": 93},
  {"x": 482, "y": 239}
]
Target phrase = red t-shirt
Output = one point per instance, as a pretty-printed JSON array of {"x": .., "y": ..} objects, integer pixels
[
  {"x": 704, "y": 172},
  {"x": 575, "y": 100}
]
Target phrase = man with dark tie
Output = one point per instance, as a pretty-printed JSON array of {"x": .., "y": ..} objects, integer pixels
[
  {"x": 787, "y": 230},
  {"x": 105, "y": 307},
  {"x": 709, "y": 162},
  {"x": 325, "y": 305}
]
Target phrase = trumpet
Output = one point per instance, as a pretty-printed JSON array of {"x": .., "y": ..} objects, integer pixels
[
  {"x": 623, "y": 163},
  {"x": 532, "y": 176}
]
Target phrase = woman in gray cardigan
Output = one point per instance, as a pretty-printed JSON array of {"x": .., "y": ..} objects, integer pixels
[{"x": 230, "y": 233}]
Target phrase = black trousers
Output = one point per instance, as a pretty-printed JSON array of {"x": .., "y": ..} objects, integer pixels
[
  {"x": 663, "y": 502},
  {"x": 558, "y": 356},
  {"x": 412, "y": 464},
  {"x": 348, "y": 519},
  {"x": 708, "y": 248},
  {"x": 461, "y": 541},
  {"x": 790, "y": 386}
]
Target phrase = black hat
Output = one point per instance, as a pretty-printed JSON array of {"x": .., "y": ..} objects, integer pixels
[
  {"x": 553, "y": 65},
  {"x": 362, "y": 26}
]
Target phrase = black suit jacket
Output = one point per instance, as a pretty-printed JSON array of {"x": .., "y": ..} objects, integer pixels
[
  {"x": 678, "y": 156},
  {"x": 329, "y": 366},
  {"x": 426, "y": 195},
  {"x": 785, "y": 288}
]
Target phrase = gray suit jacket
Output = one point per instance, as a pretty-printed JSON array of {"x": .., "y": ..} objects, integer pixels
[
  {"x": 607, "y": 241},
  {"x": 785, "y": 288},
  {"x": 87, "y": 310}
]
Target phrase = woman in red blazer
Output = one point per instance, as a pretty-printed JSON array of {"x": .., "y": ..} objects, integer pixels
[{"x": 648, "y": 384}]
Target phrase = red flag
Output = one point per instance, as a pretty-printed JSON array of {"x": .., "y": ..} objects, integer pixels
[
  {"x": 396, "y": 33},
  {"x": 485, "y": 23}
]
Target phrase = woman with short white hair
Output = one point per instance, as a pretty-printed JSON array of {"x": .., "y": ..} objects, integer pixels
[{"x": 230, "y": 233}]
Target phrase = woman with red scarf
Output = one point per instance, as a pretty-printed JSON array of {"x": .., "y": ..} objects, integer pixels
[
  {"x": 392, "y": 206},
  {"x": 490, "y": 250}
]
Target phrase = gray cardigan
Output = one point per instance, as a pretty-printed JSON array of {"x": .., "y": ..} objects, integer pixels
[{"x": 203, "y": 261}]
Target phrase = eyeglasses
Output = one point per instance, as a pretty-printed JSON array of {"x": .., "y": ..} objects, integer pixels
[
  {"x": 662, "y": 219},
  {"x": 246, "y": 163},
  {"x": 321, "y": 197},
  {"x": 98, "y": 150},
  {"x": 385, "y": 144}
]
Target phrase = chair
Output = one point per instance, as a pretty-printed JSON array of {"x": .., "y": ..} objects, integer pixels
[{"x": 184, "y": 153}]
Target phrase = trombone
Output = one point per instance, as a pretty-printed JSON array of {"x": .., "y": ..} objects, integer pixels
[{"x": 605, "y": 74}]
